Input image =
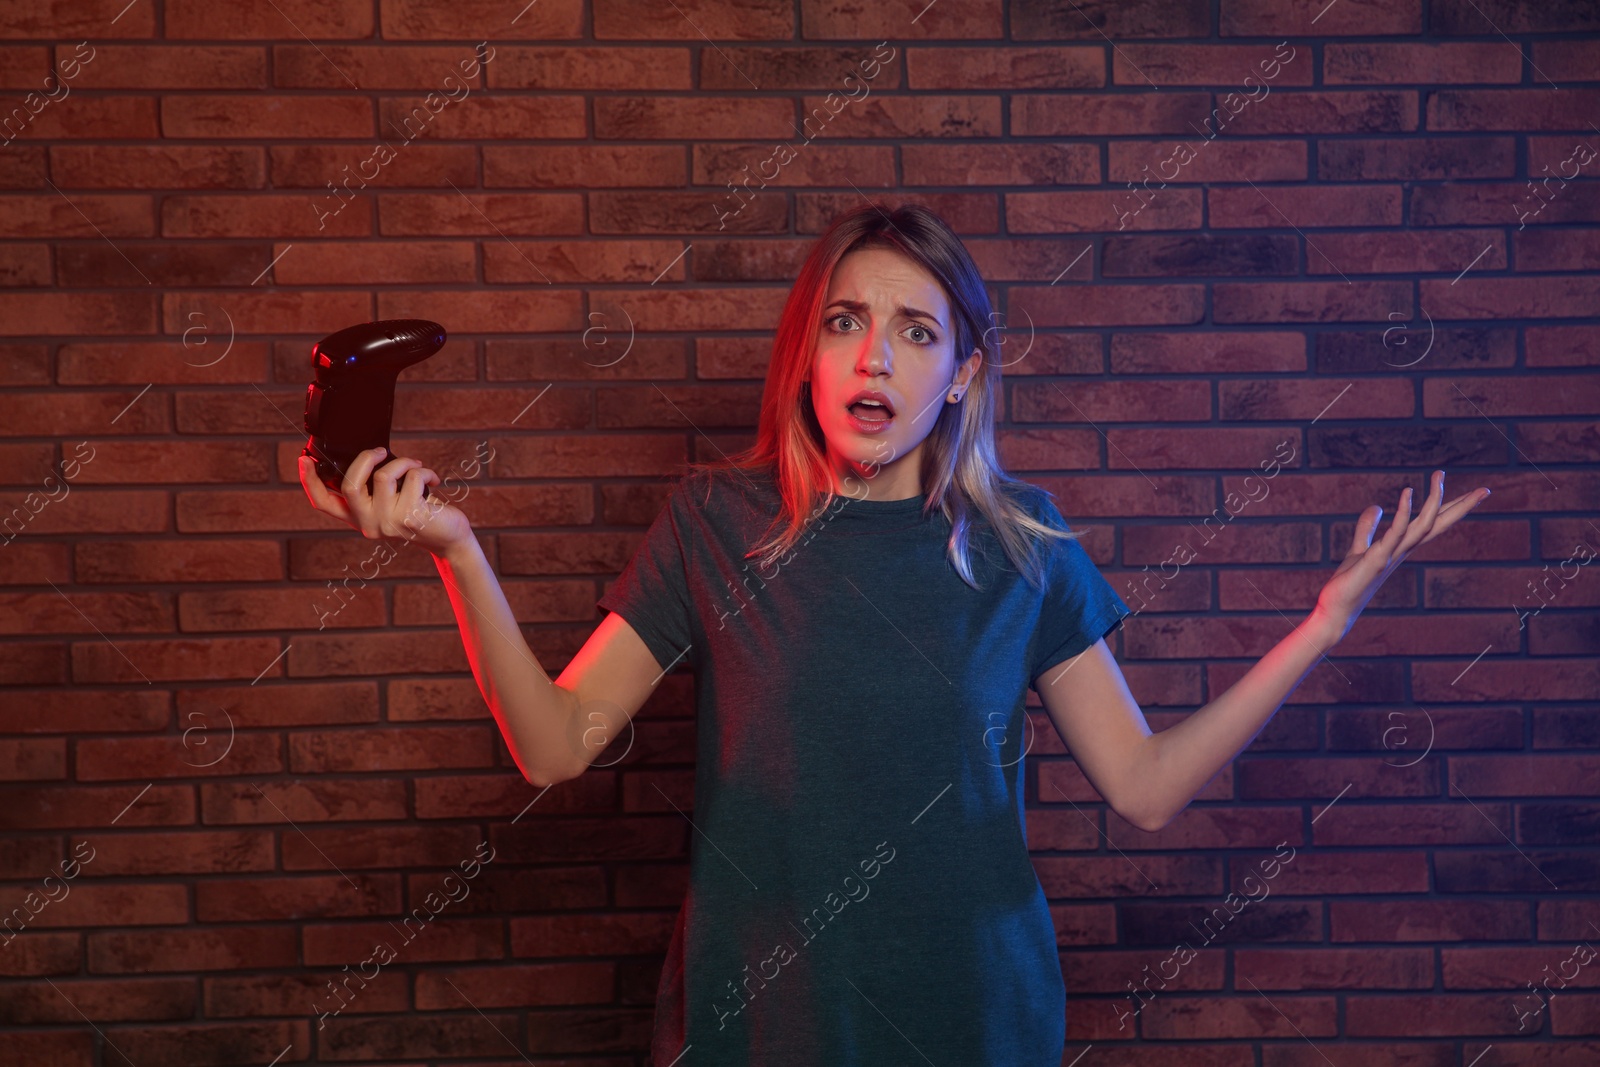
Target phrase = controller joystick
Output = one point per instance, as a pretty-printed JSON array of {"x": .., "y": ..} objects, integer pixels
[{"x": 350, "y": 405}]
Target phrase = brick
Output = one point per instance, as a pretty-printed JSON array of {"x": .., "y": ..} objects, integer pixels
[
  {"x": 349, "y": 170},
  {"x": 27, "y": 66},
  {"x": 1173, "y": 1018},
  {"x": 315, "y": 703},
  {"x": 96, "y": 215},
  {"x": 252, "y": 311},
  {"x": 160, "y": 166},
  {"x": 212, "y": 116},
  {"x": 1519, "y": 775},
  {"x": 33, "y": 759},
  {"x": 175, "y": 661},
  {"x": 23, "y": 563},
  {"x": 1504, "y": 679},
  {"x": 1416, "y": 159},
  {"x": 1563, "y": 346},
  {"x": 188, "y": 461},
  {"x": 1173, "y": 449},
  {"x": 1500, "y": 204},
  {"x": 637, "y": 20},
  {"x": 1009, "y": 68},
  {"x": 899, "y": 116},
  {"x": 1549, "y": 250},
  {"x": 1559, "y": 394},
  {"x": 756, "y": 260},
  {"x": 85, "y": 613},
  {"x": 1111, "y": 305},
  {"x": 57, "y": 20},
  {"x": 379, "y": 263},
  {"x": 35, "y": 663},
  {"x": 1480, "y": 18},
  {"x": 410, "y": 749},
  {"x": 1413, "y": 824},
  {"x": 1048, "y": 450},
  {"x": 1573, "y": 60},
  {"x": 177, "y": 561},
  {"x": 1207, "y": 352},
  {"x": 65, "y": 314},
  {"x": 1512, "y": 298},
  {"x": 1165, "y": 925},
  {"x": 744, "y": 167},
  {"x": 681, "y": 117},
  {"x": 288, "y": 897},
  {"x": 103, "y": 511},
  {"x": 1350, "y": 969},
  {"x": 195, "y": 18},
  {"x": 1001, "y": 164},
  {"x": 1100, "y": 402},
  {"x": 1309, "y": 301},
  {"x": 1199, "y": 254},
  {"x": 825, "y": 19},
  {"x": 481, "y": 214},
  {"x": 583, "y": 166},
  {"x": 95, "y": 117},
  {"x": 1302, "y": 399},
  {"x": 1203, "y": 160},
  {"x": 1100, "y": 114},
  {"x": 1345, "y": 111},
  {"x": 825, "y": 67},
  {"x": 1559, "y": 158},
  {"x": 161, "y": 263},
  {"x": 415, "y": 67},
  {"x": 1100, "y": 20},
  {"x": 24, "y": 265},
  {"x": 1305, "y": 206},
  {"x": 1431, "y": 1015},
  {"x": 1224, "y": 65},
  {"x": 1094, "y": 211},
  {"x": 477, "y": 20},
  {"x": 1262, "y": 18},
  {"x": 649, "y": 213},
  {"x": 264, "y": 215},
  {"x": 1403, "y": 345},
  {"x": 167, "y": 67},
  {"x": 1520, "y": 110},
  {"x": 1372, "y": 63},
  {"x": 1408, "y": 252},
  {"x": 498, "y": 118},
  {"x": 637, "y": 407},
  {"x": 527, "y": 262},
  {"x": 1408, "y": 446},
  {"x": 287, "y": 609},
  {"x": 612, "y": 68},
  {"x": 965, "y": 213},
  {"x": 160, "y": 362}
]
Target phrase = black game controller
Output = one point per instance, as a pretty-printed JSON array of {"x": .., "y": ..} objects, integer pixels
[{"x": 351, "y": 403}]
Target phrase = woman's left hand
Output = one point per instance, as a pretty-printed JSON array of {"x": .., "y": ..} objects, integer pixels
[{"x": 1366, "y": 565}]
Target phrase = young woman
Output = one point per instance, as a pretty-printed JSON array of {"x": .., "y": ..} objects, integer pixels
[{"x": 865, "y": 597}]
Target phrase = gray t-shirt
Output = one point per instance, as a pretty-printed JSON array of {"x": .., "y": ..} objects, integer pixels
[{"x": 860, "y": 886}]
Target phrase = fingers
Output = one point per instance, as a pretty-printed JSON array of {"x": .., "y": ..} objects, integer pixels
[
  {"x": 1397, "y": 528},
  {"x": 385, "y": 481},
  {"x": 1366, "y": 525},
  {"x": 321, "y": 497},
  {"x": 1457, "y": 510},
  {"x": 354, "y": 485},
  {"x": 416, "y": 511},
  {"x": 1422, "y": 528}
]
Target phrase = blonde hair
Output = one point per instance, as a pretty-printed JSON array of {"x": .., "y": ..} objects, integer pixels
[{"x": 962, "y": 473}]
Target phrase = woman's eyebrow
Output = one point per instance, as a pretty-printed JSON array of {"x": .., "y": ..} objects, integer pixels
[{"x": 918, "y": 313}]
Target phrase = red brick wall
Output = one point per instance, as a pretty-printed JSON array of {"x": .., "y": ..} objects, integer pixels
[{"x": 1383, "y": 263}]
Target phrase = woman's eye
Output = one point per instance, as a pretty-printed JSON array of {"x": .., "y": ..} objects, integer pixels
[{"x": 919, "y": 329}]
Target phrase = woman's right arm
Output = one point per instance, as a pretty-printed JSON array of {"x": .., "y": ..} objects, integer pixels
[{"x": 554, "y": 729}]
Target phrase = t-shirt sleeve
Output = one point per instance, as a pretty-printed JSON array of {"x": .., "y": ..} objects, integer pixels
[
  {"x": 652, "y": 592},
  {"x": 1079, "y": 608}
]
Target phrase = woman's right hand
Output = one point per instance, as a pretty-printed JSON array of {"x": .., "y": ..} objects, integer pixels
[{"x": 387, "y": 511}]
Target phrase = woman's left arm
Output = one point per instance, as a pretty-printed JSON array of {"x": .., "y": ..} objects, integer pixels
[{"x": 1149, "y": 778}]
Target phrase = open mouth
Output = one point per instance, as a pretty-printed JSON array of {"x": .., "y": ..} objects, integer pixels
[{"x": 870, "y": 411}]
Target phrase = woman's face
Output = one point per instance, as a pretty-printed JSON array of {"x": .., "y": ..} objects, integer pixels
[{"x": 886, "y": 329}]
